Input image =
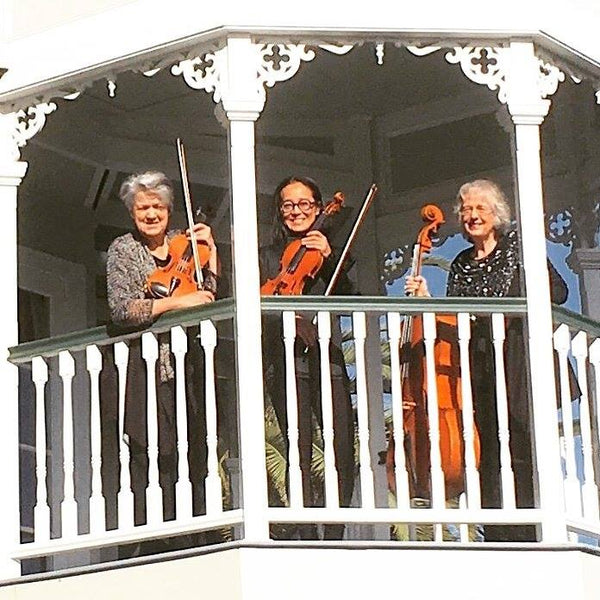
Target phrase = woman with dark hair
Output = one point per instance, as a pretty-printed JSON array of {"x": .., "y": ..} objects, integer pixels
[
  {"x": 297, "y": 203},
  {"x": 491, "y": 268}
]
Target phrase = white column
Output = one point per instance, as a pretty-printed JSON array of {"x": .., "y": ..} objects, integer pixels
[
  {"x": 11, "y": 174},
  {"x": 528, "y": 110},
  {"x": 242, "y": 104}
]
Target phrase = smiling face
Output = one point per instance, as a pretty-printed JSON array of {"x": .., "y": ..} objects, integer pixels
[
  {"x": 298, "y": 207},
  {"x": 150, "y": 215},
  {"x": 477, "y": 216}
]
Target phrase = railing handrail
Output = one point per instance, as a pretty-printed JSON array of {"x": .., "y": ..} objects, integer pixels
[
  {"x": 411, "y": 305},
  {"x": 78, "y": 340},
  {"x": 223, "y": 309},
  {"x": 574, "y": 320}
]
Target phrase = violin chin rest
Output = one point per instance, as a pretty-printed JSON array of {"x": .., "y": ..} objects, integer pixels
[{"x": 158, "y": 290}]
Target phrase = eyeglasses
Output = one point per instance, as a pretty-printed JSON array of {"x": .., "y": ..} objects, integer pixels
[
  {"x": 288, "y": 206},
  {"x": 481, "y": 209}
]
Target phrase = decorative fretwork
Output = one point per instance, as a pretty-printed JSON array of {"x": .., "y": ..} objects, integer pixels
[
  {"x": 274, "y": 63},
  {"x": 574, "y": 226},
  {"x": 280, "y": 62},
  {"x": 485, "y": 66},
  {"x": 488, "y": 66},
  {"x": 204, "y": 72},
  {"x": 398, "y": 261},
  {"x": 549, "y": 78},
  {"x": 19, "y": 127},
  {"x": 559, "y": 227}
]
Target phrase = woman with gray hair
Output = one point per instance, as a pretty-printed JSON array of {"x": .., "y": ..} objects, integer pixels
[
  {"x": 131, "y": 259},
  {"x": 491, "y": 268}
]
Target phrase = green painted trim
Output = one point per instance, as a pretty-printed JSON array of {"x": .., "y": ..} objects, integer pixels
[
  {"x": 403, "y": 305},
  {"x": 575, "y": 320},
  {"x": 78, "y": 340}
]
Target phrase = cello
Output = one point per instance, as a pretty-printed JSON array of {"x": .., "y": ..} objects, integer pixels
[{"x": 417, "y": 435}]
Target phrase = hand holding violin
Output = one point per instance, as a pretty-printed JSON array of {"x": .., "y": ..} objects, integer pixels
[
  {"x": 315, "y": 240},
  {"x": 203, "y": 234}
]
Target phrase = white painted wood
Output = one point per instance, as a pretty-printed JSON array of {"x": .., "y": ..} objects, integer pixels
[
  {"x": 332, "y": 497},
  {"x": 589, "y": 489},
  {"x": 154, "y": 507},
  {"x": 400, "y": 471},
  {"x": 507, "y": 476},
  {"x": 125, "y": 495},
  {"x": 438, "y": 492},
  {"x": 291, "y": 394},
  {"x": 66, "y": 368},
  {"x": 473, "y": 492},
  {"x": 41, "y": 511},
  {"x": 183, "y": 487},
  {"x": 242, "y": 105},
  {"x": 562, "y": 345},
  {"x": 97, "y": 504},
  {"x": 11, "y": 174},
  {"x": 367, "y": 484},
  {"x": 214, "y": 496},
  {"x": 528, "y": 111},
  {"x": 594, "y": 353}
]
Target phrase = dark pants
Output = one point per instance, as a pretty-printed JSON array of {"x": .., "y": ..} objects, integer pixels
[
  {"x": 309, "y": 411},
  {"x": 136, "y": 430},
  {"x": 483, "y": 374}
]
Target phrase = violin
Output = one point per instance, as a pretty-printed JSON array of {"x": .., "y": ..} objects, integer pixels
[
  {"x": 413, "y": 375},
  {"x": 178, "y": 276},
  {"x": 187, "y": 256},
  {"x": 299, "y": 263}
]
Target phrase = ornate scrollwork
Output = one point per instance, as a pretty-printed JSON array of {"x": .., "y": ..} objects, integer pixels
[
  {"x": 559, "y": 227},
  {"x": 485, "y": 66},
  {"x": 280, "y": 62},
  {"x": 274, "y": 63},
  {"x": 395, "y": 264},
  {"x": 204, "y": 72},
  {"x": 19, "y": 127},
  {"x": 549, "y": 78}
]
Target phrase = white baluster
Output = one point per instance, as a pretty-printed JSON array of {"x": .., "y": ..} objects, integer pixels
[
  {"x": 362, "y": 406},
  {"x": 183, "y": 487},
  {"x": 332, "y": 497},
  {"x": 438, "y": 493},
  {"x": 589, "y": 488},
  {"x": 562, "y": 345},
  {"x": 214, "y": 496},
  {"x": 41, "y": 512},
  {"x": 595, "y": 360},
  {"x": 66, "y": 368},
  {"x": 125, "y": 495},
  {"x": 400, "y": 471},
  {"x": 473, "y": 493},
  {"x": 97, "y": 504},
  {"x": 506, "y": 471},
  {"x": 154, "y": 513},
  {"x": 291, "y": 394}
]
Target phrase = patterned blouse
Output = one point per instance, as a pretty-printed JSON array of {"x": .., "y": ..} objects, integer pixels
[
  {"x": 128, "y": 264},
  {"x": 496, "y": 275}
]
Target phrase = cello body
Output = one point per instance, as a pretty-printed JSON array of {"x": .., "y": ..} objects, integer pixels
[
  {"x": 447, "y": 377},
  {"x": 450, "y": 416}
]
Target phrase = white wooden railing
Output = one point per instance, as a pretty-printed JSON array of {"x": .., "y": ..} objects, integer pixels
[{"x": 62, "y": 487}]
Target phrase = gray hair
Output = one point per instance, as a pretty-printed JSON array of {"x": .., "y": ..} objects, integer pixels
[
  {"x": 496, "y": 198},
  {"x": 152, "y": 181}
]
